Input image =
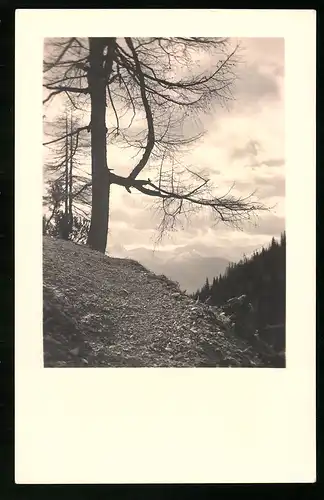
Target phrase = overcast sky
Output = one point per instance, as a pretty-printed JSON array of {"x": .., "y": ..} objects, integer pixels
[{"x": 244, "y": 144}]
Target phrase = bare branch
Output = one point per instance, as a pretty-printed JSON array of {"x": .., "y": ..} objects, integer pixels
[
  {"x": 52, "y": 94},
  {"x": 113, "y": 106},
  {"x": 82, "y": 189},
  {"x": 58, "y": 59},
  {"x": 130, "y": 100},
  {"x": 75, "y": 90},
  {"x": 149, "y": 117},
  {"x": 74, "y": 132}
]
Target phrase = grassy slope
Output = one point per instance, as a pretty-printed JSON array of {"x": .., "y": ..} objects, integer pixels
[{"x": 103, "y": 311}]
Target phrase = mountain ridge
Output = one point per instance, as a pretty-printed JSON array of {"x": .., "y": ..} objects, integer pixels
[{"x": 185, "y": 265}]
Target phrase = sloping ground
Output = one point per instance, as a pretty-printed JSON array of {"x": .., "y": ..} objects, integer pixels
[{"x": 109, "y": 312}]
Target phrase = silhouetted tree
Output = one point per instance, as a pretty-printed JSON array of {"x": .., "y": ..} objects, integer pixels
[
  {"x": 65, "y": 186},
  {"x": 156, "y": 84}
]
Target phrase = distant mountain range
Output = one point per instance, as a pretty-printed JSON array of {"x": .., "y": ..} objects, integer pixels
[{"x": 186, "y": 264}]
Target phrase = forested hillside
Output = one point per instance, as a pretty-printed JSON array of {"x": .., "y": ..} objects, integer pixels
[{"x": 259, "y": 285}]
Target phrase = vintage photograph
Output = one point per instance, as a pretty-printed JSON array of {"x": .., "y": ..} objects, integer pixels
[{"x": 164, "y": 241}]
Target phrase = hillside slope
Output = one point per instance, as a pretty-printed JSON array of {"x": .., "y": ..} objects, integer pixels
[{"x": 109, "y": 312}]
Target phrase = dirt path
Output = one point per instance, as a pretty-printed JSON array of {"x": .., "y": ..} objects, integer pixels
[{"x": 103, "y": 311}]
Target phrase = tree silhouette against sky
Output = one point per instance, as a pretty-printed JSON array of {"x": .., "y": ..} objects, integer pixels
[{"x": 144, "y": 95}]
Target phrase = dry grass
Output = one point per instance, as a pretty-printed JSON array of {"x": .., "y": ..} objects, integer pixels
[{"x": 103, "y": 311}]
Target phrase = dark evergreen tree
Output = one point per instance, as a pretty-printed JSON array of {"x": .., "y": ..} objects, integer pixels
[
  {"x": 261, "y": 278},
  {"x": 76, "y": 230},
  {"x": 67, "y": 190}
]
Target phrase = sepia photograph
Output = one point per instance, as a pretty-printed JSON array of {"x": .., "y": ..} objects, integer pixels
[
  {"x": 164, "y": 240},
  {"x": 157, "y": 179}
]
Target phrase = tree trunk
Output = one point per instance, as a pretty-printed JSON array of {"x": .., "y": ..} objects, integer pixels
[
  {"x": 71, "y": 177},
  {"x": 66, "y": 187},
  {"x": 97, "y": 238},
  {"x": 64, "y": 230}
]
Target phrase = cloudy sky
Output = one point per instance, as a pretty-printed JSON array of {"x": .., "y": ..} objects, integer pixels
[{"x": 243, "y": 144}]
